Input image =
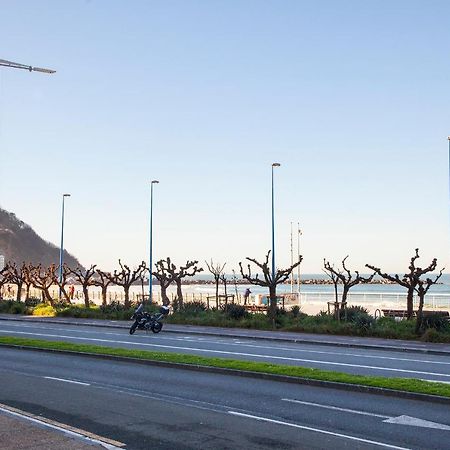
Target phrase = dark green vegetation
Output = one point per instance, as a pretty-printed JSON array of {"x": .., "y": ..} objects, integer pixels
[
  {"x": 400, "y": 384},
  {"x": 356, "y": 323}
]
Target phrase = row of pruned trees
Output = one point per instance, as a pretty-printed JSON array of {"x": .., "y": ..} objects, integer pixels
[{"x": 414, "y": 280}]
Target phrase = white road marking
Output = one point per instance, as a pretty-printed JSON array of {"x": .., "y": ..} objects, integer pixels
[
  {"x": 65, "y": 429},
  {"x": 253, "y": 355},
  {"x": 316, "y": 430},
  {"x": 67, "y": 381},
  {"x": 243, "y": 344},
  {"x": 400, "y": 420},
  {"x": 335, "y": 408},
  {"x": 415, "y": 422}
]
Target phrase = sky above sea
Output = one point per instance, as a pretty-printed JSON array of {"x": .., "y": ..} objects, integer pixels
[{"x": 350, "y": 97}]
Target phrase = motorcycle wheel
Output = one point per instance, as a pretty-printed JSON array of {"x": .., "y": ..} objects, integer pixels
[
  {"x": 157, "y": 327},
  {"x": 133, "y": 328}
]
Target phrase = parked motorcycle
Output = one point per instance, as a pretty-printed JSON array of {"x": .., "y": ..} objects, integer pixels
[{"x": 146, "y": 321}]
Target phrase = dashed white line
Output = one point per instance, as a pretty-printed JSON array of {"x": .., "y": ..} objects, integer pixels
[{"x": 67, "y": 381}]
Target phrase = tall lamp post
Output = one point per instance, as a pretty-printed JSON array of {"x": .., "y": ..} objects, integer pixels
[
  {"x": 150, "y": 281},
  {"x": 273, "y": 223},
  {"x": 61, "y": 248}
]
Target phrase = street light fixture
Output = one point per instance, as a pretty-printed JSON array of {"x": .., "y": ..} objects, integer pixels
[
  {"x": 150, "y": 285},
  {"x": 14, "y": 65},
  {"x": 61, "y": 248},
  {"x": 273, "y": 223}
]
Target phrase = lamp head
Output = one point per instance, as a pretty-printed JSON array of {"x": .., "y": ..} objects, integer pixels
[
  {"x": 276, "y": 164},
  {"x": 155, "y": 181},
  {"x": 66, "y": 195}
]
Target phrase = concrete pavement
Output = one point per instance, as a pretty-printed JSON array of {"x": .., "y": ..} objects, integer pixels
[{"x": 282, "y": 336}]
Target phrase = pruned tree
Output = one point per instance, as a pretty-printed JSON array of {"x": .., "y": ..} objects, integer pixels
[
  {"x": 409, "y": 280},
  {"x": 125, "y": 277},
  {"x": 190, "y": 269},
  {"x": 224, "y": 280},
  {"x": 4, "y": 279},
  {"x": 346, "y": 278},
  {"x": 164, "y": 277},
  {"x": 43, "y": 278},
  {"x": 216, "y": 270},
  {"x": 102, "y": 280},
  {"x": 63, "y": 281},
  {"x": 85, "y": 277},
  {"x": 269, "y": 281},
  {"x": 333, "y": 274},
  {"x": 422, "y": 288},
  {"x": 18, "y": 276}
]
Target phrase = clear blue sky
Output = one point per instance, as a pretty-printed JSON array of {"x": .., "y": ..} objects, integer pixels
[{"x": 351, "y": 97}]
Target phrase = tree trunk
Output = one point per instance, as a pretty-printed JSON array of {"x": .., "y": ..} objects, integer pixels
[
  {"x": 344, "y": 295},
  {"x": 104, "y": 291},
  {"x": 410, "y": 303},
  {"x": 164, "y": 298},
  {"x": 217, "y": 293},
  {"x": 419, "y": 320},
  {"x": 19, "y": 291},
  {"x": 272, "y": 301},
  {"x": 27, "y": 292},
  {"x": 86, "y": 296},
  {"x": 47, "y": 296},
  {"x": 127, "y": 296},
  {"x": 179, "y": 294}
]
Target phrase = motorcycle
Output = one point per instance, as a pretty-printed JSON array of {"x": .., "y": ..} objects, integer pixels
[{"x": 146, "y": 321}]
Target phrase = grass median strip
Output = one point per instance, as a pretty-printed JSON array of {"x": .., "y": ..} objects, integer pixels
[{"x": 400, "y": 384}]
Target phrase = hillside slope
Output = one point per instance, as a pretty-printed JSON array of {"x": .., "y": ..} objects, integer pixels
[{"x": 19, "y": 243}]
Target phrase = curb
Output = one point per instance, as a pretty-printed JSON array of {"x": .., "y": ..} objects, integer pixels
[
  {"x": 243, "y": 336},
  {"x": 249, "y": 374}
]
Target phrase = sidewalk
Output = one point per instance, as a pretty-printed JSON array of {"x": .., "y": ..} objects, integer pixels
[
  {"x": 240, "y": 333},
  {"x": 19, "y": 433}
]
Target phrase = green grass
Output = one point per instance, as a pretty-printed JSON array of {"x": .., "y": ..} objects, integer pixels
[{"x": 400, "y": 384}]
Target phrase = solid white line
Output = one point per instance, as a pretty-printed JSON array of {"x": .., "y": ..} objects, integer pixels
[
  {"x": 61, "y": 429},
  {"x": 317, "y": 430},
  {"x": 284, "y": 358},
  {"x": 335, "y": 408},
  {"x": 67, "y": 381}
]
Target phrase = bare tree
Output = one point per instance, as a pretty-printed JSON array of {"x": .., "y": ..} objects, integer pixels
[
  {"x": 125, "y": 277},
  {"x": 333, "y": 273},
  {"x": 188, "y": 270},
  {"x": 43, "y": 279},
  {"x": 164, "y": 277},
  {"x": 4, "y": 279},
  {"x": 281, "y": 275},
  {"x": 422, "y": 288},
  {"x": 85, "y": 278},
  {"x": 102, "y": 280},
  {"x": 409, "y": 280},
  {"x": 224, "y": 280},
  {"x": 216, "y": 271},
  {"x": 346, "y": 278},
  {"x": 62, "y": 283}
]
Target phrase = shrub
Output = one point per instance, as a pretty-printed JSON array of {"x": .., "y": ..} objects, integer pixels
[
  {"x": 436, "y": 322},
  {"x": 32, "y": 301},
  {"x": 235, "y": 312},
  {"x": 43, "y": 309},
  {"x": 194, "y": 307},
  {"x": 295, "y": 311}
]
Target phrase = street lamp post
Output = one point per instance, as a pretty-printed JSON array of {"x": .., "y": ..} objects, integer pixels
[
  {"x": 273, "y": 223},
  {"x": 61, "y": 248},
  {"x": 150, "y": 284}
]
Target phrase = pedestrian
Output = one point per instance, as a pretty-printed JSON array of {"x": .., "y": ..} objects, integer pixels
[
  {"x": 71, "y": 291},
  {"x": 247, "y": 295}
]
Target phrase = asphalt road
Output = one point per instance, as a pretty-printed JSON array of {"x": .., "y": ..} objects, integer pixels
[
  {"x": 153, "y": 407},
  {"x": 351, "y": 360}
]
